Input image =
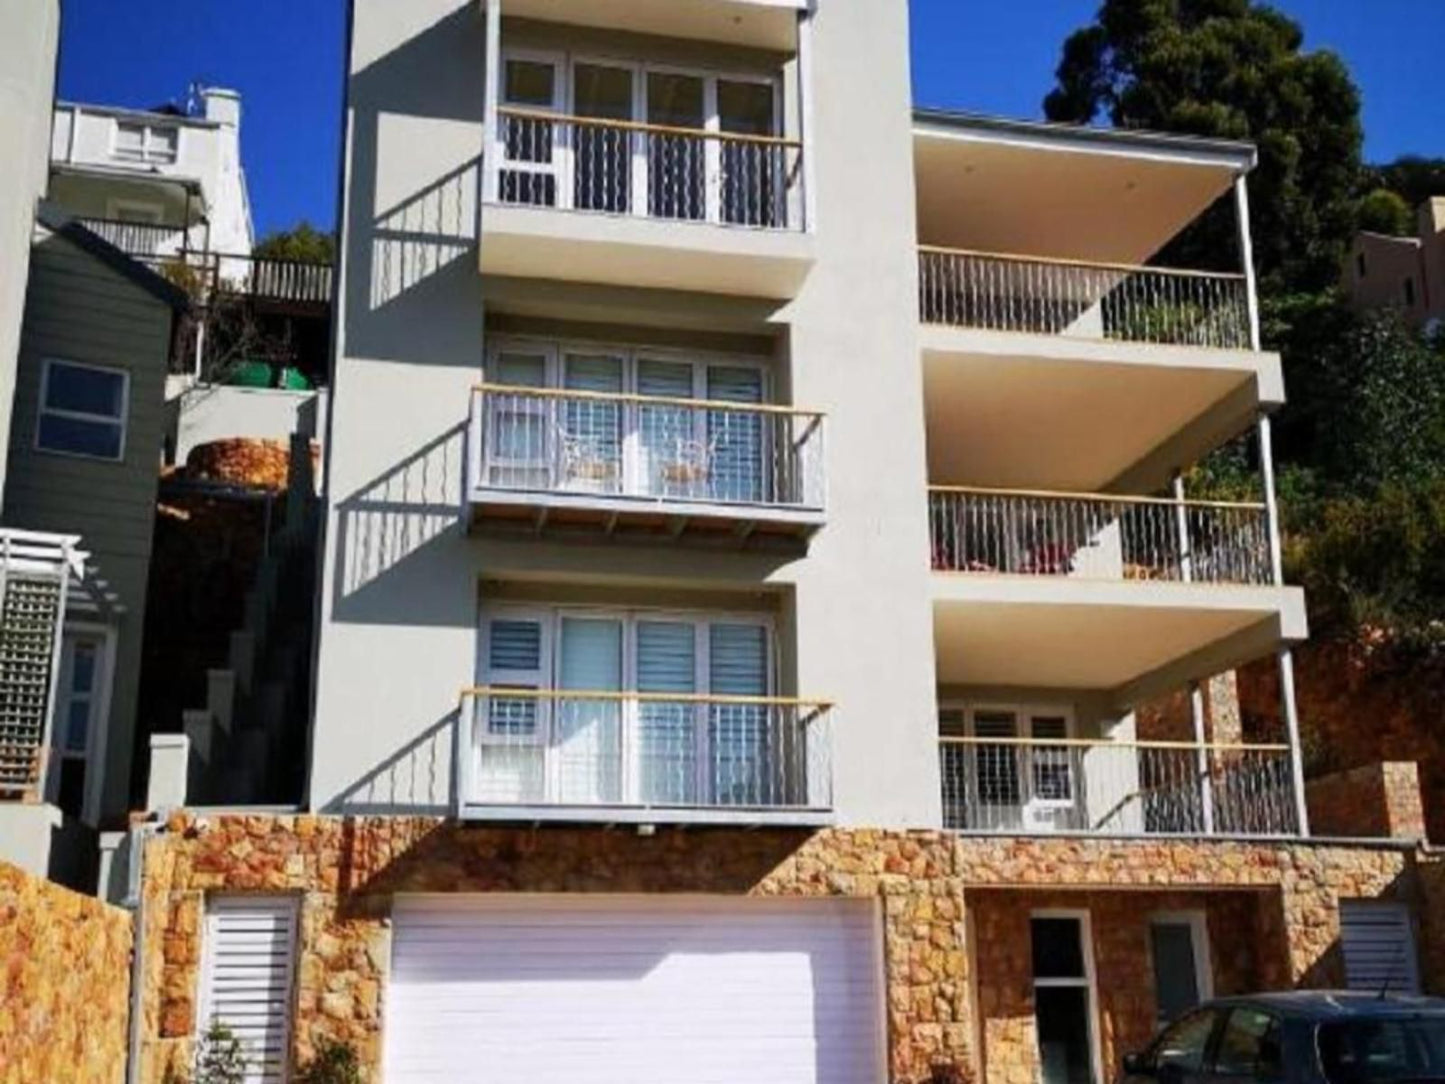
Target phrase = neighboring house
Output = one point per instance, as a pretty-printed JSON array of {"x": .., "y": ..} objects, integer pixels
[
  {"x": 753, "y": 514},
  {"x": 1406, "y": 273},
  {"x": 156, "y": 183}
]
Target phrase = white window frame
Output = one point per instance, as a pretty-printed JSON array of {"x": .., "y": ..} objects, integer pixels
[
  {"x": 1024, "y": 715},
  {"x": 41, "y": 410},
  {"x": 1198, "y": 923},
  {"x": 551, "y": 617},
  {"x": 1088, "y": 983},
  {"x": 559, "y": 167},
  {"x": 148, "y": 130},
  {"x": 97, "y": 733}
]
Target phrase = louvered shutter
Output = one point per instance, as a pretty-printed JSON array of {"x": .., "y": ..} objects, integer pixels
[
  {"x": 736, "y": 436},
  {"x": 250, "y": 963},
  {"x": 738, "y": 666},
  {"x": 1378, "y": 940},
  {"x": 667, "y": 731}
]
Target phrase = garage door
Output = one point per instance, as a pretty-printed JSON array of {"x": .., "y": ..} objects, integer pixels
[
  {"x": 1378, "y": 940},
  {"x": 499, "y": 990}
]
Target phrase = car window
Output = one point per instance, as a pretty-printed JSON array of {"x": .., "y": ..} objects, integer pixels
[
  {"x": 1182, "y": 1044},
  {"x": 1382, "y": 1050},
  {"x": 1249, "y": 1046}
]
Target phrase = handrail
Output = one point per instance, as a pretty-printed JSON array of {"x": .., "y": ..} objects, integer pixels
[
  {"x": 475, "y": 691},
  {"x": 1115, "y": 498},
  {"x": 649, "y": 400},
  {"x": 1091, "y": 264},
  {"x": 642, "y": 126},
  {"x": 1107, "y": 743}
]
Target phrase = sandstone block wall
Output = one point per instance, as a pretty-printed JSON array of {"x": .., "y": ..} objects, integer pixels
[
  {"x": 1377, "y": 800},
  {"x": 65, "y": 984},
  {"x": 942, "y": 1006}
]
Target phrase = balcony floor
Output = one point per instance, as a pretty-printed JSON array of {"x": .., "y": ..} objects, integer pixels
[{"x": 635, "y": 815}]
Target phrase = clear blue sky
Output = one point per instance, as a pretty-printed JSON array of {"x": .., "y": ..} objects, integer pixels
[{"x": 985, "y": 55}]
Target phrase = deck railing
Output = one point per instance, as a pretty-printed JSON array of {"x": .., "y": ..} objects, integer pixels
[
  {"x": 1020, "y": 786},
  {"x": 138, "y": 239},
  {"x": 1098, "y": 536},
  {"x": 658, "y": 449},
  {"x": 656, "y": 171},
  {"x": 1083, "y": 300},
  {"x": 638, "y": 750},
  {"x": 277, "y": 280}
]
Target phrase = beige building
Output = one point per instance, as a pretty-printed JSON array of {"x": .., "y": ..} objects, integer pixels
[
  {"x": 755, "y": 511},
  {"x": 1406, "y": 273}
]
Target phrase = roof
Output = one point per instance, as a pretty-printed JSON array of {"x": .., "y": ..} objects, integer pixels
[
  {"x": 1226, "y": 152},
  {"x": 158, "y": 287},
  {"x": 1325, "y": 1005},
  {"x": 169, "y": 113}
]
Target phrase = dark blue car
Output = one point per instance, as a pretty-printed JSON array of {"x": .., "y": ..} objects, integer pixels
[{"x": 1307, "y": 1037}]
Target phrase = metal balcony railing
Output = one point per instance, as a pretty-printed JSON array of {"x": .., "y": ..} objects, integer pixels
[
  {"x": 554, "y": 441},
  {"x": 1100, "y": 537},
  {"x": 635, "y": 750},
  {"x": 655, "y": 171},
  {"x": 1083, "y": 300},
  {"x": 1016, "y": 786},
  {"x": 139, "y": 239}
]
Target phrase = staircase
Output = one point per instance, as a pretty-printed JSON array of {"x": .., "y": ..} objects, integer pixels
[{"x": 248, "y": 743}]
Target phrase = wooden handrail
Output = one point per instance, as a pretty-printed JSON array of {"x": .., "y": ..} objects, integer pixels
[
  {"x": 650, "y": 400},
  {"x": 1132, "y": 269},
  {"x": 1106, "y": 743},
  {"x": 653, "y": 129},
  {"x": 1110, "y": 498},
  {"x": 614, "y": 696}
]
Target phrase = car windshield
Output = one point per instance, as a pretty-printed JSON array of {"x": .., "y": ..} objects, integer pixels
[{"x": 1391, "y": 1049}]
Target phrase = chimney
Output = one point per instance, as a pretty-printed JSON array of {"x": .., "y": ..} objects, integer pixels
[{"x": 222, "y": 105}]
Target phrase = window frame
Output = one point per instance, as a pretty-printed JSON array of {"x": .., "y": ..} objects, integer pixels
[
  {"x": 148, "y": 129},
  {"x": 1198, "y": 923},
  {"x": 1088, "y": 982},
  {"x": 1221, "y": 1029},
  {"x": 104, "y": 638},
  {"x": 1025, "y": 714},
  {"x": 122, "y": 420}
]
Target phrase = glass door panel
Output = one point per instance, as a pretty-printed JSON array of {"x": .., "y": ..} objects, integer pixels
[
  {"x": 738, "y": 733},
  {"x": 518, "y": 441},
  {"x": 590, "y": 430},
  {"x": 667, "y": 434},
  {"x": 676, "y": 161},
  {"x": 602, "y": 154},
  {"x": 587, "y": 737},
  {"x": 667, "y": 738},
  {"x": 734, "y": 449},
  {"x": 753, "y": 174},
  {"x": 531, "y": 146}
]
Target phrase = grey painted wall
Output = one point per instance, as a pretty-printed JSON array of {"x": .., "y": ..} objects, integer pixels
[{"x": 78, "y": 309}]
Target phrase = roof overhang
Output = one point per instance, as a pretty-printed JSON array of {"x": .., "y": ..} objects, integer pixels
[{"x": 758, "y": 24}]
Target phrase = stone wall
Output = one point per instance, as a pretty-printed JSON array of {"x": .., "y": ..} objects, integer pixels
[
  {"x": 346, "y": 872},
  {"x": 65, "y": 985},
  {"x": 1377, "y": 800}
]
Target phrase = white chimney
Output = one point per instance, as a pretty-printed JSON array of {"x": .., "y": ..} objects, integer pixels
[{"x": 222, "y": 105}]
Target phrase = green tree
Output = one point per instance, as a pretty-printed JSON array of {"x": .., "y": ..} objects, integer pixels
[
  {"x": 1413, "y": 178},
  {"x": 302, "y": 244},
  {"x": 1385, "y": 211},
  {"x": 1232, "y": 69}
]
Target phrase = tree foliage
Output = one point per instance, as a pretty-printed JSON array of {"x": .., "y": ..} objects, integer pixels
[
  {"x": 1412, "y": 178},
  {"x": 1232, "y": 69},
  {"x": 1384, "y": 210},
  {"x": 302, "y": 244}
]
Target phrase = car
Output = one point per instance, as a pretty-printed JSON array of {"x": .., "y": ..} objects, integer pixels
[{"x": 1304, "y": 1037}]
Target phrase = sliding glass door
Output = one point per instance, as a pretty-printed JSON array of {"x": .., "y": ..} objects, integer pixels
[{"x": 587, "y": 746}]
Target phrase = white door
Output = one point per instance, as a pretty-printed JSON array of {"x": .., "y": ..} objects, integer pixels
[{"x": 634, "y": 991}]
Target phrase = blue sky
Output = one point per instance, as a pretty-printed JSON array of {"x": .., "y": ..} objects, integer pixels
[{"x": 285, "y": 57}]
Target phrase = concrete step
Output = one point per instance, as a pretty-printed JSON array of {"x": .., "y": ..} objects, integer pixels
[{"x": 221, "y": 697}]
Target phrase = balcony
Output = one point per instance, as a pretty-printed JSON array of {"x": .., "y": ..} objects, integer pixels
[
  {"x": 644, "y": 757},
  {"x": 1096, "y": 591},
  {"x": 1017, "y": 786},
  {"x": 761, "y": 24},
  {"x": 140, "y": 240},
  {"x": 644, "y": 467}
]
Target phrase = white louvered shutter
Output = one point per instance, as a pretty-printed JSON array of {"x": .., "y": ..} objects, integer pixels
[
  {"x": 1378, "y": 940},
  {"x": 250, "y": 964}
]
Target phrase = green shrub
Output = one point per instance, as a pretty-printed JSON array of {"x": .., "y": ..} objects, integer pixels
[{"x": 334, "y": 1063}]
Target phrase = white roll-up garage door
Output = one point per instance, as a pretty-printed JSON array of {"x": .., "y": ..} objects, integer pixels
[{"x": 659, "y": 990}]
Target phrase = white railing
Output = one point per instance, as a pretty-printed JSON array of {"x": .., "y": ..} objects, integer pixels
[
  {"x": 1084, "y": 300},
  {"x": 1101, "y": 537},
  {"x": 277, "y": 280},
  {"x": 525, "y": 747},
  {"x": 1018, "y": 786},
  {"x": 138, "y": 239},
  {"x": 544, "y": 440},
  {"x": 655, "y": 171}
]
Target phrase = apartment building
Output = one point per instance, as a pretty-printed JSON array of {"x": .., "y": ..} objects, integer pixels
[
  {"x": 1404, "y": 273},
  {"x": 755, "y": 511}
]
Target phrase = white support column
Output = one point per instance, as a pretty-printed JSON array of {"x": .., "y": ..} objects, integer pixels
[
  {"x": 493, "y": 74},
  {"x": 1181, "y": 525},
  {"x": 1290, "y": 710},
  {"x": 1201, "y": 756},
  {"x": 805, "y": 115},
  {"x": 1246, "y": 255},
  {"x": 1271, "y": 500}
]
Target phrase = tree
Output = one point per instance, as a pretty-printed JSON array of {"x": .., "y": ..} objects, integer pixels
[
  {"x": 1413, "y": 178},
  {"x": 1385, "y": 211},
  {"x": 1232, "y": 69},
  {"x": 301, "y": 244}
]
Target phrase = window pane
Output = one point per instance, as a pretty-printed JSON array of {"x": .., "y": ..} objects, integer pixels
[
  {"x": 99, "y": 439},
  {"x": 1182, "y": 1046},
  {"x": 1176, "y": 982},
  {"x": 530, "y": 82},
  {"x": 520, "y": 370},
  {"x": 82, "y": 674},
  {"x": 1366, "y": 1051},
  {"x": 745, "y": 108},
  {"x": 676, "y": 164},
  {"x": 1249, "y": 1046},
  {"x": 1062, "y": 1017},
  {"x": 163, "y": 143},
  {"x": 1058, "y": 948},
  {"x": 588, "y": 749},
  {"x": 667, "y": 663},
  {"x": 602, "y": 159},
  {"x": 130, "y": 140},
  {"x": 77, "y": 725},
  {"x": 997, "y": 765},
  {"x": 84, "y": 391},
  {"x": 515, "y": 645}
]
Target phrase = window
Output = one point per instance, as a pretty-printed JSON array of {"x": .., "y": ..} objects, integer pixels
[
  {"x": 1377, "y": 940},
  {"x": 82, "y": 410},
  {"x": 136, "y": 141},
  {"x": 1179, "y": 952},
  {"x": 77, "y": 704},
  {"x": 1182, "y": 1046},
  {"x": 1022, "y": 781},
  {"x": 1250, "y": 1046},
  {"x": 1379, "y": 1051},
  {"x": 1063, "y": 997},
  {"x": 1409, "y": 293}
]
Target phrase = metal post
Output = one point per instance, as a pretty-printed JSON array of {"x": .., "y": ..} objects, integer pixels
[
  {"x": 1181, "y": 525},
  {"x": 1271, "y": 501},
  {"x": 1290, "y": 710},
  {"x": 1201, "y": 756},
  {"x": 1246, "y": 256},
  {"x": 491, "y": 138}
]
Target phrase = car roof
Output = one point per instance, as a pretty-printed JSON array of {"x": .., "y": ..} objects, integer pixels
[{"x": 1322, "y": 1005}]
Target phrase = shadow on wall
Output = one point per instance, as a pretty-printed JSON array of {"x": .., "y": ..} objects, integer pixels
[
  {"x": 412, "y": 290},
  {"x": 389, "y": 522},
  {"x": 417, "y": 780}
]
